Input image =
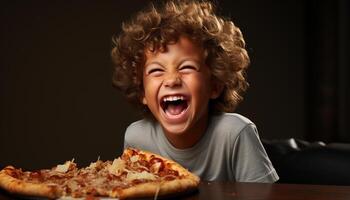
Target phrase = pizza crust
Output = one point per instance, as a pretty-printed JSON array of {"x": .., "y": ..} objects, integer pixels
[
  {"x": 17, "y": 186},
  {"x": 151, "y": 188}
]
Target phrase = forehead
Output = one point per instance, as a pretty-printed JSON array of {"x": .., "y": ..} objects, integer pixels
[{"x": 184, "y": 47}]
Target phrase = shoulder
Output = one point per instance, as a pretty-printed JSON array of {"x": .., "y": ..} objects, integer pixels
[
  {"x": 135, "y": 129},
  {"x": 235, "y": 117},
  {"x": 142, "y": 134},
  {"x": 140, "y": 125},
  {"x": 227, "y": 128},
  {"x": 232, "y": 122}
]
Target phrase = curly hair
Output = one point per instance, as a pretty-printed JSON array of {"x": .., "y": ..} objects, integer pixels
[{"x": 156, "y": 27}]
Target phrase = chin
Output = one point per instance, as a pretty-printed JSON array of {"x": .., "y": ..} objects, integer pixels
[{"x": 175, "y": 129}]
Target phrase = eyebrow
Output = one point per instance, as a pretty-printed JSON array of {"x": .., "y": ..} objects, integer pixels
[
  {"x": 151, "y": 63},
  {"x": 190, "y": 60},
  {"x": 181, "y": 62}
]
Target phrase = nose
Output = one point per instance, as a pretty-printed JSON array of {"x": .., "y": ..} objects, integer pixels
[{"x": 172, "y": 80}]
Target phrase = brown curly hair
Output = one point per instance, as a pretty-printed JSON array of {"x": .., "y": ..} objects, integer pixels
[{"x": 156, "y": 27}]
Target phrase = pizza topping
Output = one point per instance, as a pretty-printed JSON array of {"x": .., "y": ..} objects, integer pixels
[
  {"x": 143, "y": 175},
  {"x": 35, "y": 175},
  {"x": 16, "y": 173},
  {"x": 170, "y": 177},
  {"x": 68, "y": 165},
  {"x": 72, "y": 185},
  {"x": 99, "y": 181},
  {"x": 93, "y": 165},
  {"x": 134, "y": 158},
  {"x": 156, "y": 167},
  {"x": 96, "y": 165},
  {"x": 117, "y": 167}
]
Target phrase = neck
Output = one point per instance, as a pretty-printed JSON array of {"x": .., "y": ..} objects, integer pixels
[{"x": 189, "y": 137}]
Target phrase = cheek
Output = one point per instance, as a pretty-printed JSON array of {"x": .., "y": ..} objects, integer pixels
[
  {"x": 199, "y": 85},
  {"x": 145, "y": 91},
  {"x": 150, "y": 90}
]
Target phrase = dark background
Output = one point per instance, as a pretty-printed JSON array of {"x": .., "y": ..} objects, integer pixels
[{"x": 57, "y": 100}]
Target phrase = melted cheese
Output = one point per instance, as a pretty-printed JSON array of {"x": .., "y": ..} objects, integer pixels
[
  {"x": 134, "y": 158},
  {"x": 117, "y": 167},
  {"x": 142, "y": 175},
  {"x": 73, "y": 185},
  {"x": 93, "y": 165},
  {"x": 65, "y": 167},
  {"x": 156, "y": 167}
]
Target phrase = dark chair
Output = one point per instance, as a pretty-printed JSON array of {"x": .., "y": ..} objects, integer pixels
[{"x": 301, "y": 162}]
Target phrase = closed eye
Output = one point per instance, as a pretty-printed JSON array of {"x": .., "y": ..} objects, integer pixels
[
  {"x": 155, "y": 71},
  {"x": 188, "y": 68}
]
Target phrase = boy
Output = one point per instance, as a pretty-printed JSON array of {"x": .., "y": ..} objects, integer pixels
[{"x": 184, "y": 66}]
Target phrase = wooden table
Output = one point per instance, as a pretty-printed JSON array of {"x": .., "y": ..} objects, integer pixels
[
  {"x": 258, "y": 191},
  {"x": 264, "y": 191}
]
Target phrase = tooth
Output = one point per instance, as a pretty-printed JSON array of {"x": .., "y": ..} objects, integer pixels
[{"x": 173, "y": 98}]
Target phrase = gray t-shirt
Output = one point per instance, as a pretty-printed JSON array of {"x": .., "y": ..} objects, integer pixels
[{"x": 230, "y": 149}]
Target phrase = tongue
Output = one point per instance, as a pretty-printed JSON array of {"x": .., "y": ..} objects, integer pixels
[{"x": 175, "y": 109}]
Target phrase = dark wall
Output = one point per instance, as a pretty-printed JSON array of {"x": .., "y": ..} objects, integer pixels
[
  {"x": 57, "y": 100},
  {"x": 274, "y": 32}
]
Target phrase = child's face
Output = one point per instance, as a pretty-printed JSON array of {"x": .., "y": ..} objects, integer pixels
[{"x": 177, "y": 87}]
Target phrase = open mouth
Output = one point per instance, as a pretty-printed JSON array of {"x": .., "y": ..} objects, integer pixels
[{"x": 174, "y": 105}]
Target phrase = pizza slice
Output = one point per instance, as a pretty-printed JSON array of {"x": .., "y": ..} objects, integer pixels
[{"x": 134, "y": 174}]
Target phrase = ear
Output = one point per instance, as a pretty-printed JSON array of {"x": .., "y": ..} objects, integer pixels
[
  {"x": 144, "y": 101},
  {"x": 143, "y": 98},
  {"x": 216, "y": 89}
]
